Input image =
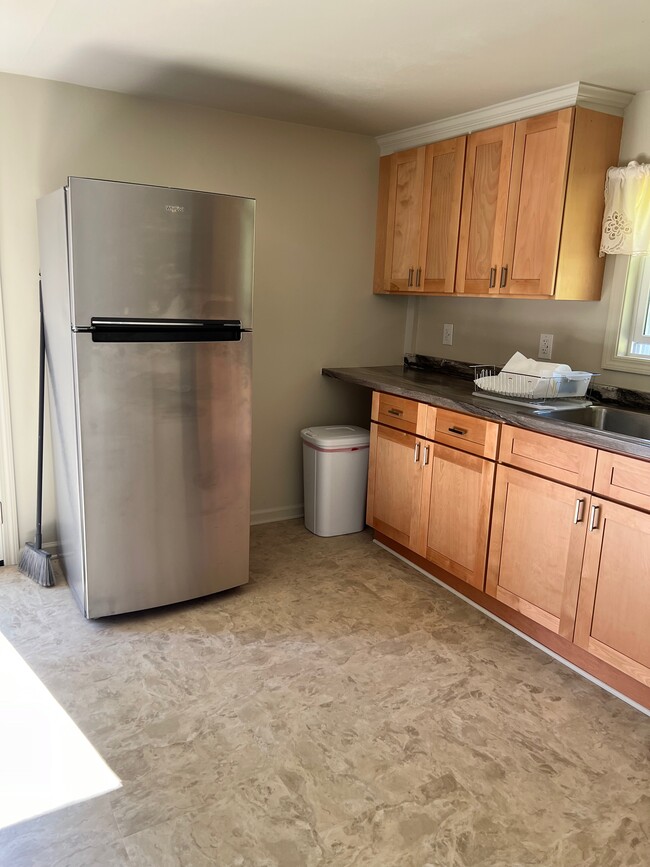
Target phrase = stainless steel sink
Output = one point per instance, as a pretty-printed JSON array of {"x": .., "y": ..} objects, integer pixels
[{"x": 609, "y": 419}]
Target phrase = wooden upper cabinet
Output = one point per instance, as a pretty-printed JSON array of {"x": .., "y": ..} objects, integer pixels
[
  {"x": 594, "y": 148},
  {"x": 514, "y": 211},
  {"x": 417, "y": 218},
  {"x": 555, "y": 206},
  {"x": 404, "y": 219},
  {"x": 443, "y": 184},
  {"x": 536, "y": 204},
  {"x": 483, "y": 213},
  {"x": 612, "y": 621}
]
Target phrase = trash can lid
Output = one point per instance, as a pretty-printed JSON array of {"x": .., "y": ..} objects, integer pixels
[{"x": 341, "y": 436}]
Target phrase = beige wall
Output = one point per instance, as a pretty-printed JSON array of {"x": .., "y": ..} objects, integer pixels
[
  {"x": 489, "y": 330},
  {"x": 316, "y": 194}
]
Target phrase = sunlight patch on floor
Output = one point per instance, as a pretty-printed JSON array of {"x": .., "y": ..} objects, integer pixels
[{"x": 45, "y": 761}]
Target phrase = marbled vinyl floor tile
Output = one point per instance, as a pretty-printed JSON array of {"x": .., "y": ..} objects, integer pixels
[{"x": 341, "y": 710}]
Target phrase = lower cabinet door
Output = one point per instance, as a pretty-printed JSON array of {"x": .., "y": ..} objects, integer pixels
[
  {"x": 394, "y": 484},
  {"x": 536, "y": 548},
  {"x": 455, "y": 514},
  {"x": 613, "y": 621}
]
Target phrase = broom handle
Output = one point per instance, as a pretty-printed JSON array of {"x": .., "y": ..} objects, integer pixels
[{"x": 38, "y": 541}]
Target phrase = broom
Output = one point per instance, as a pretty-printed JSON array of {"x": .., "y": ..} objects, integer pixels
[{"x": 34, "y": 562}]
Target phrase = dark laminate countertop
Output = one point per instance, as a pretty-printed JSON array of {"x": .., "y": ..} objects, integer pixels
[{"x": 448, "y": 391}]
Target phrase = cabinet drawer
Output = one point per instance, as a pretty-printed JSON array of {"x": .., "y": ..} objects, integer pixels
[
  {"x": 567, "y": 462},
  {"x": 624, "y": 479},
  {"x": 396, "y": 412},
  {"x": 465, "y": 432}
]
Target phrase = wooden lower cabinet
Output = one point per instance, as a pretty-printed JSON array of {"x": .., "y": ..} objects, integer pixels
[
  {"x": 455, "y": 511},
  {"x": 394, "y": 484},
  {"x": 613, "y": 610},
  {"x": 536, "y": 548},
  {"x": 572, "y": 562},
  {"x": 432, "y": 499}
]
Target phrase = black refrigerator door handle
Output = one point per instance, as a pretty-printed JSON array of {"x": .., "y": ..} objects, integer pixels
[{"x": 126, "y": 330}]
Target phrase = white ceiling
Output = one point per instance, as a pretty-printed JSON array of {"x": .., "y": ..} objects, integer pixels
[{"x": 370, "y": 66}]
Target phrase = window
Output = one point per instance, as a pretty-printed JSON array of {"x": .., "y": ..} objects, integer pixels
[
  {"x": 627, "y": 342},
  {"x": 638, "y": 284},
  {"x": 626, "y": 236}
]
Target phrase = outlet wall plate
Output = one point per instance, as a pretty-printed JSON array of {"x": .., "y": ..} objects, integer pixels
[
  {"x": 447, "y": 334},
  {"x": 545, "y": 346}
]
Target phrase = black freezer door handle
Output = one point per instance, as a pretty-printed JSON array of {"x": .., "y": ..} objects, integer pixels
[{"x": 125, "y": 330}]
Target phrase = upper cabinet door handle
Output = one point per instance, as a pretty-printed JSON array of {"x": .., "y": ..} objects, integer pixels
[
  {"x": 504, "y": 277},
  {"x": 493, "y": 277},
  {"x": 410, "y": 279},
  {"x": 418, "y": 274}
]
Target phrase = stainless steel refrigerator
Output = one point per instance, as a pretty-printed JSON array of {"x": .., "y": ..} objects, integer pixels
[{"x": 147, "y": 295}]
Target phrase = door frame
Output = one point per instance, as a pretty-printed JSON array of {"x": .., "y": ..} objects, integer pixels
[{"x": 9, "y": 527}]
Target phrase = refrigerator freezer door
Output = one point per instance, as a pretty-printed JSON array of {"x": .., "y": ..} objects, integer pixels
[
  {"x": 165, "y": 436},
  {"x": 159, "y": 253}
]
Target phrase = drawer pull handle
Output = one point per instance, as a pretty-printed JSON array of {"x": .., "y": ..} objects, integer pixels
[
  {"x": 426, "y": 456},
  {"x": 594, "y": 522},
  {"x": 493, "y": 277},
  {"x": 393, "y": 411},
  {"x": 579, "y": 512},
  {"x": 416, "y": 455},
  {"x": 457, "y": 430}
]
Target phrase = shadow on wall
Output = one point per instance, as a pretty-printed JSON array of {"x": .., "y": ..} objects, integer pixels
[
  {"x": 310, "y": 227},
  {"x": 244, "y": 94}
]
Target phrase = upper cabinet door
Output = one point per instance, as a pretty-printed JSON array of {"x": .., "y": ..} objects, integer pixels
[
  {"x": 404, "y": 218},
  {"x": 484, "y": 206},
  {"x": 443, "y": 187},
  {"x": 536, "y": 204}
]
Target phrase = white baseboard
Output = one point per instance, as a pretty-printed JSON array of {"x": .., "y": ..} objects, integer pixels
[
  {"x": 52, "y": 548},
  {"x": 280, "y": 513},
  {"x": 516, "y": 631}
]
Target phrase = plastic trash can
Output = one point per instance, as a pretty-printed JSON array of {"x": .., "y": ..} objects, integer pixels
[{"x": 335, "y": 464}]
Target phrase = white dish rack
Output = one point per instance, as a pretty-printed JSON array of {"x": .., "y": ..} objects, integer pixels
[{"x": 563, "y": 390}]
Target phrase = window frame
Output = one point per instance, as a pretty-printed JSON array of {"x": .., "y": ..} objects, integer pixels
[{"x": 628, "y": 315}]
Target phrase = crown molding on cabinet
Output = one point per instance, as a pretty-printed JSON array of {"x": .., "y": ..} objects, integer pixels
[
  {"x": 603, "y": 99},
  {"x": 578, "y": 93}
]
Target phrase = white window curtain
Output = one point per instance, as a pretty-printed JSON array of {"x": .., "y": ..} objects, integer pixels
[{"x": 626, "y": 223}]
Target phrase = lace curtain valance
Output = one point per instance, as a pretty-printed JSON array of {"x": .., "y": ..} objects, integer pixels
[{"x": 626, "y": 224}]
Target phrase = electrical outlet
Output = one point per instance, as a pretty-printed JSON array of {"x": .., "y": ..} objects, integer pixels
[
  {"x": 545, "y": 346},
  {"x": 447, "y": 334}
]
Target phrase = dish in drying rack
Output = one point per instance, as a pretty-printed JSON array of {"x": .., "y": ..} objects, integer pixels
[{"x": 533, "y": 387}]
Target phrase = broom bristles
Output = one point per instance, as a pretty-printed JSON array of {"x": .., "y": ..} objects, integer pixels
[{"x": 37, "y": 565}]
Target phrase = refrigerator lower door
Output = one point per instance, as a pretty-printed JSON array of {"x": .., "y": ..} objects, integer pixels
[{"x": 165, "y": 439}]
